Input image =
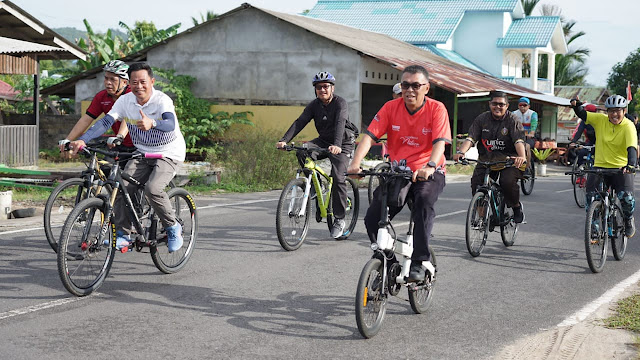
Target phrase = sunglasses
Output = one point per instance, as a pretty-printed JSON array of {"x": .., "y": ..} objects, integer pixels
[
  {"x": 498, "y": 104},
  {"x": 323, "y": 86},
  {"x": 523, "y": 104},
  {"x": 415, "y": 86}
]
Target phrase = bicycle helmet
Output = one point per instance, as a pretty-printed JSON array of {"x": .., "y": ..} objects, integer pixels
[
  {"x": 322, "y": 77},
  {"x": 615, "y": 101},
  {"x": 118, "y": 67}
]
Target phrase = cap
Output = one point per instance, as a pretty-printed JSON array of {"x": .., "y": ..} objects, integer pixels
[
  {"x": 396, "y": 89},
  {"x": 590, "y": 108},
  {"x": 525, "y": 100}
]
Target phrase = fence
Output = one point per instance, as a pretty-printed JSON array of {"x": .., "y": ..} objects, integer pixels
[{"x": 18, "y": 145}]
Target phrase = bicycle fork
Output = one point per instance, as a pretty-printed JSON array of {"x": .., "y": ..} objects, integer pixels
[{"x": 305, "y": 198}]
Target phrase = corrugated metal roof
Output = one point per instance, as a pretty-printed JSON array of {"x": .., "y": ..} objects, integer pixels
[
  {"x": 13, "y": 46},
  {"x": 453, "y": 56},
  {"x": 417, "y": 22},
  {"x": 530, "y": 32},
  {"x": 591, "y": 94}
]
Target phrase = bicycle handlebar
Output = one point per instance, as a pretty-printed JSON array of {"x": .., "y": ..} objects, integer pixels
[
  {"x": 304, "y": 148},
  {"x": 119, "y": 156},
  {"x": 506, "y": 163}
]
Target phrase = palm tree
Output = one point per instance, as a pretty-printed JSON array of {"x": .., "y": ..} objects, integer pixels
[
  {"x": 209, "y": 16},
  {"x": 529, "y": 5}
]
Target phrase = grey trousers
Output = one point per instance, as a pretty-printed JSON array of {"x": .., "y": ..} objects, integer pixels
[{"x": 155, "y": 174}]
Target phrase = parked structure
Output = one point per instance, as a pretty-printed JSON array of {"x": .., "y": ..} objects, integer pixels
[{"x": 566, "y": 117}]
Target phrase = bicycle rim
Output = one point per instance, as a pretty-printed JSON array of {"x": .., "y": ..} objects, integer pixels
[
  {"x": 291, "y": 226},
  {"x": 370, "y": 299},
  {"x": 618, "y": 240},
  {"x": 84, "y": 258},
  {"x": 58, "y": 207},
  {"x": 527, "y": 184},
  {"x": 477, "y": 226},
  {"x": 595, "y": 237},
  {"x": 579, "y": 190},
  {"x": 508, "y": 227},
  {"x": 183, "y": 207}
]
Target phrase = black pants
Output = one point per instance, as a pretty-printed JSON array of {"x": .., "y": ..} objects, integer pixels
[
  {"x": 424, "y": 195},
  {"x": 339, "y": 165},
  {"x": 508, "y": 182}
]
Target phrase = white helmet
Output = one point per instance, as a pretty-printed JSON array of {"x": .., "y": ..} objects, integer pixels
[
  {"x": 615, "y": 101},
  {"x": 118, "y": 67}
]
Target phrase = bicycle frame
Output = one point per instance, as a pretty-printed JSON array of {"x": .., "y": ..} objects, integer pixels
[
  {"x": 490, "y": 188},
  {"x": 310, "y": 174}
]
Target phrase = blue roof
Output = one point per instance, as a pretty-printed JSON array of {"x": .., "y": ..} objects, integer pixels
[
  {"x": 413, "y": 21},
  {"x": 530, "y": 32},
  {"x": 453, "y": 56}
]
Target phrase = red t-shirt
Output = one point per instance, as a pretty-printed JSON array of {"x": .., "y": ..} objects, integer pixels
[
  {"x": 411, "y": 137},
  {"x": 102, "y": 104}
]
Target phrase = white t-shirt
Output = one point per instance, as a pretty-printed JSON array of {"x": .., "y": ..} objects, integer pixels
[{"x": 170, "y": 143}]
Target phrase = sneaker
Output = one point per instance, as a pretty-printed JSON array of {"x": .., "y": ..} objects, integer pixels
[
  {"x": 122, "y": 241},
  {"x": 629, "y": 227},
  {"x": 418, "y": 270},
  {"x": 174, "y": 234},
  {"x": 518, "y": 214},
  {"x": 338, "y": 228}
]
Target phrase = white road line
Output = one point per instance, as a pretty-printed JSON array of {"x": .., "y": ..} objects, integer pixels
[
  {"x": 22, "y": 230},
  {"x": 47, "y": 305},
  {"x": 603, "y": 299},
  {"x": 437, "y": 217},
  {"x": 235, "y": 204},
  {"x": 566, "y": 190}
]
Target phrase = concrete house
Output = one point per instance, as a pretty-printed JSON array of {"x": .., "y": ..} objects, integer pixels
[
  {"x": 253, "y": 59},
  {"x": 493, "y": 36}
]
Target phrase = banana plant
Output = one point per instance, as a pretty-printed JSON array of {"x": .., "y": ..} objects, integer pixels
[{"x": 542, "y": 155}]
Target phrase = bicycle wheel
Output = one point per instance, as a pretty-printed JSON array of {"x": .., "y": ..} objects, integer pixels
[
  {"x": 618, "y": 239},
  {"x": 420, "y": 297},
  {"x": 580, "y": 188},
  {"x": 183, "y": 207},
  {"x": 477, "y": 227},
  {"x": 374, "y": 181},
  {"x": 508, "y": 227},
  {"x": 574, "y": 168},
  {"x": 84, "y": 257},
  {"x": 351, "y": 212},
  {"x": 595, "y": 236},
  {"x": 526, "y": 184},
  {"x": 371, "y": 300},
  {"x": 291, "y": 226}
]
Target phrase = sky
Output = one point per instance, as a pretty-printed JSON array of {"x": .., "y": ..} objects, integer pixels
[{"x": 612, "y": 27}]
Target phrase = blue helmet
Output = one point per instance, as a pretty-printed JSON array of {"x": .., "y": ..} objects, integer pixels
[{"x": 322, "y": 77}]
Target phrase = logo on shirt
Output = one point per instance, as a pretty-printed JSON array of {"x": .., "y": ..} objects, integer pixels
[
  {"x": 425, "y": 131},
  {"x": 485, "y": 130},
  {"x": 493, "y": 145},
  {"x": 410, "y": 140},
  {"x": 504, "y": 131},
  {"x": 395, "y": 127},
  {"x": 375, "y": 118}
]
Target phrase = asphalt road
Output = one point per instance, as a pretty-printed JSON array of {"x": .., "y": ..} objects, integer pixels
[{"x": 243, "y": 297}]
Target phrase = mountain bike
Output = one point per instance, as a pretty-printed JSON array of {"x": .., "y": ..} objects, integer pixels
[
  {"x": 294, "y": 206},
  {"x": 605, "y": 221},
  {"x": 529, "y": 177},
  {"x": 386, "y": 272},
  {"x": 88, "y": 241},
  {"x": 487, "y": 211},
  {"x": 579, "y": 177}
]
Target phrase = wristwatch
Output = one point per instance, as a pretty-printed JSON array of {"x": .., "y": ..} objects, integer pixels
[
  {"x": 431, "y": 164},
  {"x": 153, "y": 123}
]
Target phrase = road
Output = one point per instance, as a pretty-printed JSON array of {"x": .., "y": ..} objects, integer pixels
[{"x": 243, "y": 297}]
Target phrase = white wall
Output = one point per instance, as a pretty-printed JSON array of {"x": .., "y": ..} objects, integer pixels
[{"x": 475, "y": 39}]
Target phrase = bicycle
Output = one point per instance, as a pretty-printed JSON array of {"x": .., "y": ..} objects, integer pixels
[
  {"x": 387, "y": 270},
  {"x": 294, "y": 206},
  {"x": 578, "y": 176},
  {"x": 604, "y": 221},
  {"x": 374, "y": 181},
  {"x": 488, "y": 210},
  {"x": 529, "y": 177},
  {"x": 88, "y": 241}
]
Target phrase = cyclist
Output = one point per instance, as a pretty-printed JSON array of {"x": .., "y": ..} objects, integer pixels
[
  {"x": 589, "y": 132},
  {"x": 397, "y": 92},
  {"x": 617, "y": 148},
  {"x": 501, "y": 136},
  {"x": 116, "y": 84},
  {"x": 331, "y": 117},
  {"x": 152, "y": 122},
  {"x": 529, "y": 120},
  {"x": 417, "y": 129}
]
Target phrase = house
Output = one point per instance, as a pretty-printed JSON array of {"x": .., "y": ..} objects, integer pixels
[
  {"x": 494, "y": 36},
  {"x": 258, "y": 60},
  {"x": 566, "y": 118}
]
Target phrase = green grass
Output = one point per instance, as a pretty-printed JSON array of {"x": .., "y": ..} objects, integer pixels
[
  {"x": 460, "y": 169},
  {"x": 32, "y": 196},
  {"x": 627, "y": 315}
]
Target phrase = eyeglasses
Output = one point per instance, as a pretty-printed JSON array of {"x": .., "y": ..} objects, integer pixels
[
  {"x": 614, "y": 110},
  {"x": 415, "y": 86},
  {"x": 323, "y": 86},
  {"x": 523, "y": 104},
  {"x": 498, "y": 104}
]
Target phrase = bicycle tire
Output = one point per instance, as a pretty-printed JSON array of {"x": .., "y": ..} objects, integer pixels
[
  {"x": 184, "y": 209},
  {"x": 508, "y": 227},
  {"x": 84, "y": 260},
  {"x": 574, "y": 168},
  {"x": 618, "y": 240},
  {"x": 291, "y": 227},
  {"x": 527, "y": 184},
  {"x": 371, "y": 300},
  {"x": 595, "y": 236},
  {"x": 477, "y": 227},
  {"x": 580, "y": 188},
  {"x": 351, "y": 212},
  {"x": 421, "y": 297},
  {"x": 374, "y": 181}
]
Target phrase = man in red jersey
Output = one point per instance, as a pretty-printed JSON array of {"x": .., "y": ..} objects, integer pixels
[
  {"x": 116, "y": 83},
  {"x": 417, "y": 129}
]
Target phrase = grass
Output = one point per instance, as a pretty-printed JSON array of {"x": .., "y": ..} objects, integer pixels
[{"x": 627, "y": 315}]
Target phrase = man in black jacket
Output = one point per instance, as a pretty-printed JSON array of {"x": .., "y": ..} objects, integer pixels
[{"x": 331, "y": 117}]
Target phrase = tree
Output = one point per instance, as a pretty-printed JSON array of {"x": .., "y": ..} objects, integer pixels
[
  {"x": 627, "y": 72},
  {"x": 145, "y": 34},
  {"x": 529, "y": 6},
  {"x": 209, "y": 16},
  {"x": 100, "y": 47}
]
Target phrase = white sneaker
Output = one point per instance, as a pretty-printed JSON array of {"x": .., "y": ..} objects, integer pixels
[{"x": 338, "y": 228}]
